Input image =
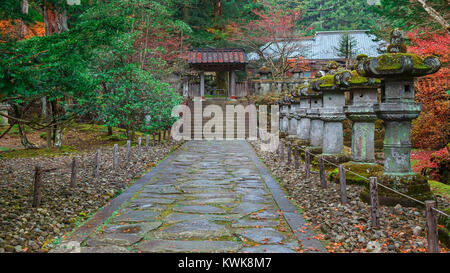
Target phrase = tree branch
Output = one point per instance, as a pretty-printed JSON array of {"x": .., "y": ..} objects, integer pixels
[{"x": 435, "y": 15}]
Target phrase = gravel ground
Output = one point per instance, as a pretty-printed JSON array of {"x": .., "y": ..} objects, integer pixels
[
  {"x": 346, "y": 228},
  {"x": 27, "y": 229}
]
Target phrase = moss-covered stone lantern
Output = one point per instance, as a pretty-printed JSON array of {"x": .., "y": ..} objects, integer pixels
[
  {"x": 398, "y": 68},
  {"x": 363, "y": 97},
  {"x": 303, "y": 121},
  {"x": 333, "y": 88},
  {"x": 313, "y": 113},
  {"x": 293, "y": 105},
  {"x": 284, "y": 112}
]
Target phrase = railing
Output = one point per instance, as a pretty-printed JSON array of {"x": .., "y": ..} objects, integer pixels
[
  {"x": 430, "y": 206},
  {"x": 96, "y": 158}
]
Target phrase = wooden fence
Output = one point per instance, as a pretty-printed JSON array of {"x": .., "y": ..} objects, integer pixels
[
  {"x": 431, "y": 211},
  {"x": 97, "y": 159}
]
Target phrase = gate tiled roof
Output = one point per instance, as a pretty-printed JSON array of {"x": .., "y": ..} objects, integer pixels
[{"x": 218, "y": 58}]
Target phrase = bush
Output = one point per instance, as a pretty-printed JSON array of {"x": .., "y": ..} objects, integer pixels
[{"x": 438, "y": 166}]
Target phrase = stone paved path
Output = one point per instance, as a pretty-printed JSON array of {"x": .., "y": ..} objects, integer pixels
[{"x": 211, "y": 197}]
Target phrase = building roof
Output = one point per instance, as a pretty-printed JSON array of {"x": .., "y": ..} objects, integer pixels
[
  {"x": 322, "y": 45},
  {"x": 217, "y": 59}
]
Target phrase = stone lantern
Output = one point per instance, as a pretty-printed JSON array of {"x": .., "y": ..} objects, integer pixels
[
  {"x": 265, "y": 80},
  {"x": 304, "y": 122},
  {"x": 294, "y": 105},
  {"x": 332, "y": 113},
  {"x": 313, "y": 113},
  {"x": 296, "y": 73},
  {"x": 363, "y": 97},
  {"x": 265, "y": 73},
  {"x": 284, "y": 112},
  {"x": 397, "y": 108}
]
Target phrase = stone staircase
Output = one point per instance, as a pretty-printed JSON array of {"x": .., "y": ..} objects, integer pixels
[{"x": 227, "y": 117}]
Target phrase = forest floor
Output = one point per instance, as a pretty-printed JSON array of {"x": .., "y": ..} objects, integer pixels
[
  {"x": 27, "y": 229},
  {"x": 346, "y": 228},
  {"x": 77, "y": 137}
]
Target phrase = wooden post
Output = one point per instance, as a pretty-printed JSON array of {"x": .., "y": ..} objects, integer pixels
[
  {"x": 154, "y": 139},
  {"x": 202, "y": 84},
  {"x": 139, "y": 146},
  {"x": 115, "y": 157},
  {"x": 374, "y": 204},
  {"x": 307, "y": 164},
  {"x": 97, "y": 163},
  {"x": 147, "y": 140},
  {"x": 73, "y": 175},
  {"x": 323, "y": 178},
  {"x": 289, "y": 159},
  {"x": 343, "y": 183},
  {"x": 37, "y": 187},
  {"x": 233, "y": 84},
  {"x": 432, "y": 230},
  {"x": 127, "y": 155},
  {"x": 282, "y": 151},
  {"x": 49, "y": 137},
  {"x": 296, "y": 165}
]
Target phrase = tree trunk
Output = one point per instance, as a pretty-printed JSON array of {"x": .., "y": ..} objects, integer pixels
[
  {"x": 55, "y": 21},
  {"x": 24, "y": 10},
  {"x": 185, "y": 11},
  {"x": 133, "y": 134},
  {"x": 110, "y": 131},
  {"x": 217, "y": 9},
  {"x": 435, "y": 15},
  {"x": 23, "y": 137},
  {"x": 58, "y": 136}
]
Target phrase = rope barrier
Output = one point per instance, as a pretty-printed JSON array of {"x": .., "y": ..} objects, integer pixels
[{"x": 365, "y": 178}]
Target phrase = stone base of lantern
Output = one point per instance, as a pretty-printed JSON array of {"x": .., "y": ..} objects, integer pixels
[
  {"x": 414, "y": 185},
  {"x": 301, "y": 142},
  {"x": 335, "y": 158},
  {"x": 316, "y": 150},
  {"x": 363, "y": 169}
]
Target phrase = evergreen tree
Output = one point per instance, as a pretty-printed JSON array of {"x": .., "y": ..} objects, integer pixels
[
  {"x": 337, "y": 14},
  {"x": 347, "y": 48}
]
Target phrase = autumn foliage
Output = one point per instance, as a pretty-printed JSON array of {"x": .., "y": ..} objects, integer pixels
[
  {"x": 431, "y": 129},
  {"x": 10, "y": 29},
  {"x": 433, "y": 164}
]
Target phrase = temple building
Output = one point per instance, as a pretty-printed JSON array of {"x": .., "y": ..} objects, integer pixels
[{"x": 320, "y": 49}]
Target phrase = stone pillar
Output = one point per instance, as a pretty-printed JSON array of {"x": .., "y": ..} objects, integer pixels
[
  {"x": 292, "y": 121},
  {"x": 284, "y": 121},
  {"x": 332, "y": 115},
  {"x": 362, "y": 113},
  {"x": 304, "y": 124},
  {"x": 316, "y": 133},
  {"x": 233, "y": 84},
  {"x": 202, "y": 84}
]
